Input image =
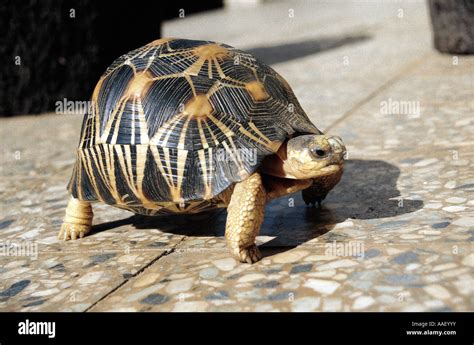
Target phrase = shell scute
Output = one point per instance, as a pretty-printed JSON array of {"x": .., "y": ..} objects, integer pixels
[{"x": 179, "y": 121}]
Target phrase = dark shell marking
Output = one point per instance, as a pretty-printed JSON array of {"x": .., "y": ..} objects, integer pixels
[{"x": 171, "y": 123}]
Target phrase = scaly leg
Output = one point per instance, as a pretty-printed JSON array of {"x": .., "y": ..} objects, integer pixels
[
  {"x": 77, "y": 221},
  {"x": 244, "y": 218},
  {"x": 320, "y": 188}
]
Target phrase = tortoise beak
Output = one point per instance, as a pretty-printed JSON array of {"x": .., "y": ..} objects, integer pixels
[{"x": 338, "y": 148}]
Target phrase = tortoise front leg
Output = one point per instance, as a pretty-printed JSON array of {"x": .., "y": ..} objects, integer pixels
[
  {"x": 320, "y": 188},
  {"x": 244, "y": 218},
  {"x": 313, "y": 195},
  {"x": 77, "y": 221}
]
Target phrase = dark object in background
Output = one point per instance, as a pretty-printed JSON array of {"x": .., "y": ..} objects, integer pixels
[
  {"x": 453, "y": 25},
  {"x": 56, "y": 49}
]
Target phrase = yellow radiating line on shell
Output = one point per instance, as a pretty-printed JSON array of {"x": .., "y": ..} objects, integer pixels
[
  {"x": 214, "y": 88},
  {"x": 89, "y": 121},
  {"x": 110, "y": 121},
  {"x": 197, "y": 206},
  {"x": 161, "y": 77},
  {"x": 165, "y": 129},
  {"x": 90, "y": 173},
  {"x": 182, "y": 155},
  {"x": 106, "y": 168},
  {"x": 137, "y": 188},
  {"x": 99, "y": 164},
  {"x": 209, "y": 69},
  {"x": 78, "y": 173},
  {"x": 271, "y": 145},
  {"x": 127, "y": 173},
  {"x": 226, "y": 130},
  {"x": 195, "y": 67},
  {"x": 128, "y": 156},
  {"x": 128, "y": 62},
  {"x": 211, "y": 163},
  {"x": 168, "y": 165},
  {"x": 254, "y": 71},
  {"x": 95, "y": 108},
  {"x": 176, "y": 52},
  {"x": 253, "y": 137},
  {"x": 182, "y": 136},
  {"x": 117, "y": 123},
  {"x": 205, "y": 175},
  {"x": 144, "y": 138},
  {"x": 177, "y": 61},
  {"x": 96, "y": 115},
  {"x": 218, "y": 67},
  {"x": 171, "y": 206},
  {"x": 132, "y": 139},
  {"x": 129, "y": 59},
  {"x": 232, "y": 154},
  {"x": 191, "y": 84},
  {"x": 201, "y": 134},
  {"x": 240, "y": 83},
  {"x": 240, "y": 164},
  {"x": 140, "y": 170},
  {"x": 110, "y": 162},
  {"x": 159, "y": 164},
  {"x": 214, "y": 138},
  {"x": 175, "y": 122}
]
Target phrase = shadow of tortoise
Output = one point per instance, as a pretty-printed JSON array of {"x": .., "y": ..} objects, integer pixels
[
  {"x": 294, "y": 50},
  {"x": 368, "y": 190}
]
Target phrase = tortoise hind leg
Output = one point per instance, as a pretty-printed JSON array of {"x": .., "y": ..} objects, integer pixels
[
  {"x": 77, "y": 221},
  {"x": 244, "y": 218}
]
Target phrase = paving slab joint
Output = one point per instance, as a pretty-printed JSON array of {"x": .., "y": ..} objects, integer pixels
[{"x": 140, "y": 271}]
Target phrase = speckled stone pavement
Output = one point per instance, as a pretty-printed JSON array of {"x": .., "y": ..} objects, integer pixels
[{"x": 395, "y": 235}]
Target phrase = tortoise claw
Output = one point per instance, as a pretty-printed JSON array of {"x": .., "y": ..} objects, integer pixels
[
  {"x": 312, "y": 196},
  {"x": 248, "y": 255}
]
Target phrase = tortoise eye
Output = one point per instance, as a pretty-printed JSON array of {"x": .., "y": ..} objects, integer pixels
[{"x": 318, "y": 152}]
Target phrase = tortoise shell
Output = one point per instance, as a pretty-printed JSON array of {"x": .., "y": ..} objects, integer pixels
[{"x": 179, "y": 121}]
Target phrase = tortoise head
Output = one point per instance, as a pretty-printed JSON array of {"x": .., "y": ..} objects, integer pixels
[
  {"x": 314, "y": 156},
  {"x": 312, "y": 163}
]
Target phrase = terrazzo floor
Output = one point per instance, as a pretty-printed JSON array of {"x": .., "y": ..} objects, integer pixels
[{"x": 395, "y": 235}]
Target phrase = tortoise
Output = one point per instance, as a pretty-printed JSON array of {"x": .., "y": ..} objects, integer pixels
[{"x": 186, "y": 126}]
